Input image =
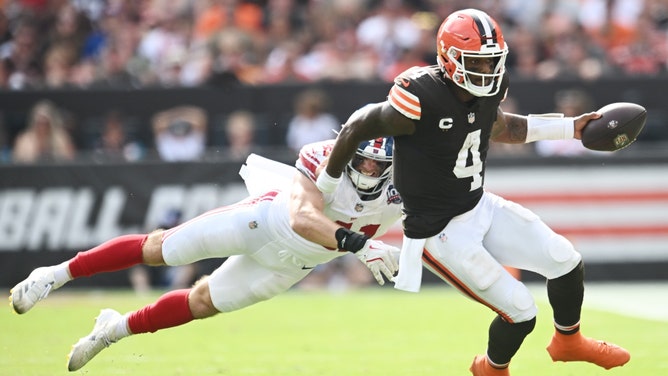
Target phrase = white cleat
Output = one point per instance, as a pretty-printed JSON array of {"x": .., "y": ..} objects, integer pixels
[
  {"x": 31, "y": 290},
  {"x": 89, "y": 346}
]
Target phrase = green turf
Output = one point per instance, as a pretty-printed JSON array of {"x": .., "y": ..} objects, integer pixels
[{"x": 379, "y": 331}]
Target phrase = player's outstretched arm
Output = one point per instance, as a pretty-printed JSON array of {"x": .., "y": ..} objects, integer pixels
[
  {"x": 307, "y": 219},
  {"x": 369, "y": 122},
  {"x": 509, "y": 128},
  {"x": 514, "y": 129}
]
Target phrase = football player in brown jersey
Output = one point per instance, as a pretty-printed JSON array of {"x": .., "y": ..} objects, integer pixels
[{"x": 442, "y": 118}]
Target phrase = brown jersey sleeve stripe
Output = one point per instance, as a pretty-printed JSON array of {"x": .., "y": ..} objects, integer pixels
[{"x": 405, "y": 102}]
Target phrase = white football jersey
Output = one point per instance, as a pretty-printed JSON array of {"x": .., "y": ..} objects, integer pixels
[
  {"x": 264, "y": 255},
  {"x": 344, "y": 206}
]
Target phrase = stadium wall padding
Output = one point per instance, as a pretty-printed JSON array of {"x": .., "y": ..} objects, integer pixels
[{"x": 615, "y": 214}]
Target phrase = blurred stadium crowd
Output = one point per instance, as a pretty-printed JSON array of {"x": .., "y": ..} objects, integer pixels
[
  {"x": 49, "y": 44},
  {"x": 79, "y": 45},
  {"x": 132, "y": 44}
]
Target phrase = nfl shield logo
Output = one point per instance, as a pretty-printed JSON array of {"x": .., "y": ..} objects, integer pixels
[
  {"x": 359, "y": 207},
  {"x": 471, "y": 117}
]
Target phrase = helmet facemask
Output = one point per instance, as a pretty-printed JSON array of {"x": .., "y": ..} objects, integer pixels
[
  {"x": 490, "y": 83},
  {"x": 379, "y": 150}
]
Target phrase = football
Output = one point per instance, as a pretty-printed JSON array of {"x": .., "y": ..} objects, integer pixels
[{"x": 617, "y": 128}]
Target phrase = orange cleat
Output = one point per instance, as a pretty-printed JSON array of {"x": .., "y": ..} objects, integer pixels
[
  {"x": 481, "y": 367},
  {"x": 576, "y": 347}
]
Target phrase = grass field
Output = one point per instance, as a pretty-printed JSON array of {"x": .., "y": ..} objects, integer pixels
[{"x": 378, "y": 331}]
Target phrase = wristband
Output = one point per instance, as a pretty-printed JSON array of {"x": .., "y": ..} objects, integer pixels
[
  {"x": 550, "y": 127},
  {"x": 327, "y": 183},
  {"x": 349, "y": 240}
]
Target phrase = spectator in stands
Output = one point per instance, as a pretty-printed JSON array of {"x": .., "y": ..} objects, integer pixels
[
  {"x": 114, "y": 143},
  {"x": 236, "y": 60},
  {"x": 21, "y": 55},
  {"x": 419, "y": 53},
  {"x": 526, "y": 56},
  {"x": 611, "y": 23},
  {"x": 180, "y": 133},
  {"x": 311, "y": 121},
  {"x": 388, "y": 30},
  {"x": 165, "y": 41},
  {"x": 83, "y": 74},
  {"x": 646, "y": 54},
  {"x": 281, "y": 63},
  {"x": 568, "y": 52},
  {"x": 240, "y": 133},
  {"x": 59, "y": 65},
  {"x": 115, "y": 61},
  {"x": 70, "y": 28},
  {"x": 197, "y": 66},
  {"x": 222, "y": 42},
  {"x": 213, "y": 16},
  {"x": 45, "y": 138}
]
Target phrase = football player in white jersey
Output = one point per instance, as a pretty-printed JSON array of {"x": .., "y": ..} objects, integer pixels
[{"x": 271, "y": 240}]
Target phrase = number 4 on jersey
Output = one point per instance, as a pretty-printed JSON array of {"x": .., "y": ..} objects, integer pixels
[{"x": 471, "y": 147}]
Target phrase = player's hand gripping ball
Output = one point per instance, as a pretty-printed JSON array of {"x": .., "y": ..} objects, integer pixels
[{"x": 617, "y": 128}]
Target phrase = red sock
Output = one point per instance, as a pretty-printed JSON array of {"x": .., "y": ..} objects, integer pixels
[
  {"x": 169, "y": 310},
  {"x": 116, "y": 254}
]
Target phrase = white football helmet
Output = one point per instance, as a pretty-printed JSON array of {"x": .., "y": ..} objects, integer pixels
[{"x": 380, "y": 150}]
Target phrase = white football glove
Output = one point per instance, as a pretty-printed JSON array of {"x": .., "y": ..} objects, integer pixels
[
  {"x": 379, "y": 258},
  {"x": 326, "y": 183}
]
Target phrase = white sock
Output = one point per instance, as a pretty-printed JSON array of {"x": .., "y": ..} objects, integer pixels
[
  {"x": 121, "y": 330},
  {"x": 61, "y": 274}
]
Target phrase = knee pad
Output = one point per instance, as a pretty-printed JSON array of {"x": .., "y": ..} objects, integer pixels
[
  {"x": 482, "y": 269},
  {"x": 524, "y": 303},
  {"x": 562, "y": 250}
]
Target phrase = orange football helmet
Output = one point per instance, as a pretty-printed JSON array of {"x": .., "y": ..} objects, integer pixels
[{"x": 471, "y": 33}]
